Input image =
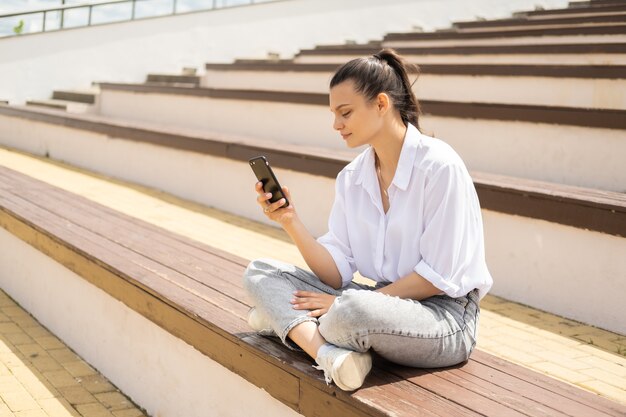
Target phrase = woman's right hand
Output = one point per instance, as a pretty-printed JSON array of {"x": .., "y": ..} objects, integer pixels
[{"x": 275, "y": 211}]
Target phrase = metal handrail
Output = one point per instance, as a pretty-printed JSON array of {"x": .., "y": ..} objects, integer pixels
[{"x": 62, "y": 9}]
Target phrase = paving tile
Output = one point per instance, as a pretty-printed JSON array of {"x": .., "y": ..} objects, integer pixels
[
  {"x": 93, "y": 410},
  {"x": 79, "y": 368},
  {"x": 19, "y": 401},
  {"x": 76, "y": 394},
  {"x": 605, "y": 390},
  {"x": 131, "y": 412},
  {"x": 606, "y": 377},
  {"x": 113, "y": 400},
  {"x": 63, "y": 355},
  {"x": 96, "y": 384},
  {"x": 49, "y": 342},
  {"x": 616, "y": 367},
  {"x": 5, "y": 411},
  {"x": 60, "y": 378},
  {"x": 46, "y": 364},
  {"x": 32, "y": 350},
  {"x": 35, "y": 383},
  {"x": 562, "y": 372},
  {"x": 9, "y": 327},
  {"x": 58, "y": 407},
  {"x": 21, "y": 338},
  {"x": 32, "y": 413}
]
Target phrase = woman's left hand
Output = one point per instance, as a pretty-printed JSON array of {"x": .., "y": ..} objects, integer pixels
[{"x": 318, "y": 303}]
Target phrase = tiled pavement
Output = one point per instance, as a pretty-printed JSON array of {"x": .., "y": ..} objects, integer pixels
[
  {"x": 41, "y": 377},
  {"x": 585, "y": 356}
]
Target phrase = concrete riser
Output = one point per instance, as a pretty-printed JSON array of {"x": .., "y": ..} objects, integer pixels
[
  {"x": 541, "y": 91},
  {"x": 545, "y": 265},
  {"x": 554, "y": 153}
]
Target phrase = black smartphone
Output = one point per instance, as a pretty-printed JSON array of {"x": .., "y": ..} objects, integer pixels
[{"x": 264, "y": 173}]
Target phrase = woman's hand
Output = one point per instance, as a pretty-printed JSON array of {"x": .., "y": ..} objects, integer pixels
[
  {"x": 318, "y": 303},
  {"x": 275, "y": 211}
]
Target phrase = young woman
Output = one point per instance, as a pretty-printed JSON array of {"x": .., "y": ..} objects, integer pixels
[{"x": 405, "y": 215}]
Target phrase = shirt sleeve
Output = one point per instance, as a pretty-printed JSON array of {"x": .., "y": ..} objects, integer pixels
[
  {"x": 452, "y": 237},
  {"x": 336, "y": 239}
]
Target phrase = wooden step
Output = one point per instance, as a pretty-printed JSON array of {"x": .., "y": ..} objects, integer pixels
[
  {"x": 87, "y": 97},
  {"x": 173, "y": 79},
  {"x": 194, "y": 292},
  {"x": 64, "y": 105}
]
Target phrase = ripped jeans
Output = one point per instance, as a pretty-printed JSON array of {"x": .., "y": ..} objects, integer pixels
[{"x": 436, "y": 332}]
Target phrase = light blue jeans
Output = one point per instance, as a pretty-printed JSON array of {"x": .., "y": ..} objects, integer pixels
[{"x": 436, "y": 332}]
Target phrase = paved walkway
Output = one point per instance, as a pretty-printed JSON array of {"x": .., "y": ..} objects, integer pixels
[
  {"x": 585, "y": 356},
  {"x": 41, "y": 377}
]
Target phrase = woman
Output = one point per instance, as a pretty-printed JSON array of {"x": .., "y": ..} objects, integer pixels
[{"x": 405, "y": 215}]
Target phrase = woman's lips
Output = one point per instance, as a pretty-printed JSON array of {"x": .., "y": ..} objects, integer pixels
[{"x": 346, "y": 135}]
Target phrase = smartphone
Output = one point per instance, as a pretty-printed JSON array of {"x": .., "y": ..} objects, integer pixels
[{"x": 264, "y": 173}]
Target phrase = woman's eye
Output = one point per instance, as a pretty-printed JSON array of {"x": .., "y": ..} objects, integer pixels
[{"x": 346, "y": 114}]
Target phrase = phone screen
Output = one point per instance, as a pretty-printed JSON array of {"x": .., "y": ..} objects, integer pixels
[{"x": 264, "y": 173}]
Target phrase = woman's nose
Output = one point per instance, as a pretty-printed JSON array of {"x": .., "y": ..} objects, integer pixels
[{"x": 337, "y": 125}]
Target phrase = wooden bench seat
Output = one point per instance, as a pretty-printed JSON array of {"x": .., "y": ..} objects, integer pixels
[{"x": 194, "y": 291}]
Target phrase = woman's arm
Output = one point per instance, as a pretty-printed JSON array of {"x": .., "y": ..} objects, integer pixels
[
  {"x": 411, "y": 286},
  {"x": 315, "y": 255}
]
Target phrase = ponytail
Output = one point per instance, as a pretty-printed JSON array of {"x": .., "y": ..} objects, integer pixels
[{"x": 383, "y": 72}]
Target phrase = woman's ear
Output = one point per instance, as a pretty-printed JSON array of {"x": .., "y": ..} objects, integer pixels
[{"x": 383, "y": 103}]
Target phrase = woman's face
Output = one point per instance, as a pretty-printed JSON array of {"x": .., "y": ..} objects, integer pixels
[{"x": 357, "y": 120}]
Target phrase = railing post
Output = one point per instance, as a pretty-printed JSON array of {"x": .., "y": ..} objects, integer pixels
[
  {"x": 174, "y": 7},
  {"x": 132, "y": 15},
  {"x": 89, "y": 21},
  {"x": 62, "y": 18},
  {"x": 43, "y": 29}
]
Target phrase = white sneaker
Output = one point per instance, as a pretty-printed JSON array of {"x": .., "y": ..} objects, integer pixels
[
  {"x": 345, "y": 367},
  {"x": 260, "y": 323}
]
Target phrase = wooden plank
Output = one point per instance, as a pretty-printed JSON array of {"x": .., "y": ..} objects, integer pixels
[
  {"x": 430, "y": 380},
  {"x": 559, "y": 391}
]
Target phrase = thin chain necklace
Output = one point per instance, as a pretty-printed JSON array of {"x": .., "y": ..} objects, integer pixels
[{"x": 380, "y": 177}]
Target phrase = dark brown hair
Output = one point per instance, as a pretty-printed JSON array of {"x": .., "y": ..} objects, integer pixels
[{"x": 384, "y": 72}]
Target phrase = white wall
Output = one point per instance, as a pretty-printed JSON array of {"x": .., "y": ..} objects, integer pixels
[
  {"x": 32, "y": 66},
  {"x": 158, "y": 371}
]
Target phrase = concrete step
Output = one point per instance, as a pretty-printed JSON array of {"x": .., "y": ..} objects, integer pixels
[
  {"x": 511, "y": 23},
  {"x": 572, "y": 86},
  {"x": 65, "y": 105},
  {"x": 574, "y": 11},
  {"x": 535, "y": 142},
  {"x": 567, "y": 34},
  {"x": 538, "y": 234},
  {"x": 540, "y": 54}
]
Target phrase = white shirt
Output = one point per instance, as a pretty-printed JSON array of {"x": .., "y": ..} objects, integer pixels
[{"x": 433, "y": 225}]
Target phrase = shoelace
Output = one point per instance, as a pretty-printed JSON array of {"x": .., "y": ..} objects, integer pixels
[{"x": 327, "y": 377}]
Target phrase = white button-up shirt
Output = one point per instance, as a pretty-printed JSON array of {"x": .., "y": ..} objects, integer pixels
[{"x": 433, "y": 225}]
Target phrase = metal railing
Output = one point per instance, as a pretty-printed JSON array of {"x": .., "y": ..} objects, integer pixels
[{"x": 61, "y": 12}]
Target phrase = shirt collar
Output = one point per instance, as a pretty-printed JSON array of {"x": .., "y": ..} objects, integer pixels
[{"x": 367, "y": 172}]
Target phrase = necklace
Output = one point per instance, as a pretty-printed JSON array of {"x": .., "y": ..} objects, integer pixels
[{"x": 382, "y": 183}]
